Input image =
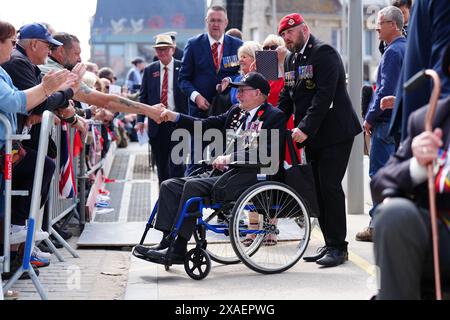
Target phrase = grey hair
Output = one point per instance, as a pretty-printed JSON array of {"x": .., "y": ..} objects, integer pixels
[
  {"x": 249, "y": 48},
  {"x": 394, "y": 14},
  {"x": 24, "y": 43},
  {"x": 273, "y": 38}
]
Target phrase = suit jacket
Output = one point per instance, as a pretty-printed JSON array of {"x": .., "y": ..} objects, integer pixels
[
  {"x": 198, "y": 72},
  {"x": 271, "y": 118},
  {"x": 396, "y": 174},
  {"x": 315, "y": 91},
  {"x": 428, "y": 35},
  {"x": 151, "y": 92}
]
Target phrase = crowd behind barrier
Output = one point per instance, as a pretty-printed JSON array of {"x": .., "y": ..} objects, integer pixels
[{"x": 64, "y": 202}]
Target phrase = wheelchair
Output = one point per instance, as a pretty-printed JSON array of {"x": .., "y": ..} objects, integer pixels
[{"x": 263, "y": 210}]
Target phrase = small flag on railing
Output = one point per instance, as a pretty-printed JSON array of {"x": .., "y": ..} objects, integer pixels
[{"x": 67, "y": 186}]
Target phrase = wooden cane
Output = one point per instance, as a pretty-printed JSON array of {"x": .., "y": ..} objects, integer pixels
[{"x": 431, "y": 181}]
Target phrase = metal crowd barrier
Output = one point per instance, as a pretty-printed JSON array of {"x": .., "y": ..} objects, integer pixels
[
  {"x": 83, "y": 176},
  {"x": 47, "y": 120},
  {"x": 9, "y": 137},
  {"x": 59, "y": 208}
]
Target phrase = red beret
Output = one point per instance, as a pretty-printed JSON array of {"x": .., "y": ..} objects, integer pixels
[{"x": 289, "y": 21}]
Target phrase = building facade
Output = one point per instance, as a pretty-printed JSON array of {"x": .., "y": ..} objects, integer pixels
[{"x": 122, "y": 30}]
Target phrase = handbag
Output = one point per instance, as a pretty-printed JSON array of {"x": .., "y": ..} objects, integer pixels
[
  {"x": 300, "y": 177},
  {"x": 220, "y": 104}
]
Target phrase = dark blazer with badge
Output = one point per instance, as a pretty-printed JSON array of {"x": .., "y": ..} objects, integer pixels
[
  {"x": 396, "y": 174},
  {"x": 160, "y": 134},
  {"x": 271, "y": 119},
  {"x": 151, "y": 92},
  {"x": 198, "y": 72},
  {"x": 315, "y": 91}
]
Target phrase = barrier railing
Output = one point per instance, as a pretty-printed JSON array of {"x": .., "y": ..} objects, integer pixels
[
  {"x": 9, "y": 137},
  {"x": 84, "y": 174},
  {"x": 59, "y": 208},
  {"x": 47, "y": 120}
]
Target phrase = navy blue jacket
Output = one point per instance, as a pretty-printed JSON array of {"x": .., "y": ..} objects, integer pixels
[
  {"x": 198, "y": 72},
  {"x": 428, "y": 35},
  {"x": 150, "y": 92},
  {"x": 388, "y": 75}
]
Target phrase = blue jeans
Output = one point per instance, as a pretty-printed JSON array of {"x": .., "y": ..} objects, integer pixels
[{"x": 382, "y": 146}]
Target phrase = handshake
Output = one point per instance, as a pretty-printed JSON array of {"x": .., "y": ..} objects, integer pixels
[
  {"x": 158, "y": 113},
  {"x": 162, "y": 114}
]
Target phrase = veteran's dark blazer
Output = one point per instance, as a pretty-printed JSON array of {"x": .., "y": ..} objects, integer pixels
[
  {"x": 396, "y": 174},
  {"x": 317, "y": 95}
]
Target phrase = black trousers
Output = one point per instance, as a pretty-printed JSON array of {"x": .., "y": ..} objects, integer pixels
[
  {"x": 329, "y": 165},
  {"x": 173, "y": 195},
  {"x": 161, "y": 149},
  {"x": 22, "y": 179},
  {"x": 403, "y": 250}
]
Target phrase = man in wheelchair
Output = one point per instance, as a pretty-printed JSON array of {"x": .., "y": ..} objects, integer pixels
[
  {"x": 402, "y": 231},
  {"x": 224, "y": 182}
]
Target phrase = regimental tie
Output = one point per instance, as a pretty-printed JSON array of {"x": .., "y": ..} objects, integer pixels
[
  {"x": 215, "y": 54},
  {"x": 165, "y": 86}
]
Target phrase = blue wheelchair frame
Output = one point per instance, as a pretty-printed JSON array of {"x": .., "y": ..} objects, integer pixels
[{"x": 216, "y": 228}]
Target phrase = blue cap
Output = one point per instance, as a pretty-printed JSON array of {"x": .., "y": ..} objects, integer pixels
[{"x": 37, "y": 31}]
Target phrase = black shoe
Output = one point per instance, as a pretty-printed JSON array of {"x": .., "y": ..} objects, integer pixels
[
  {"x": 221, "y": 218},
  {"x": 56, "y": 242},
  {"x": 64, "y": 233},
  {"x": 321, "y": 252},
  {"x": 44, "y": 248},
  {"x": 162, "y": 257},
  {"x": 333, "y": 257}
]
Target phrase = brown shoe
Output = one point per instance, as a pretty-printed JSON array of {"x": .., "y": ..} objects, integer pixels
[{"x": 365, "y": 235}]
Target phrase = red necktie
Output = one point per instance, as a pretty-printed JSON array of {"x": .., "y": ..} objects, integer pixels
[
  {"x": 215, "y": 54},
  {"x": 165, "y": 86}
]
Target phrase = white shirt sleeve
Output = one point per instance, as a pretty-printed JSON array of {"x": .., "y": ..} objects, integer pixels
[
  {"x": 194, "y": 95},
  {"x": 418, "y": 172}
]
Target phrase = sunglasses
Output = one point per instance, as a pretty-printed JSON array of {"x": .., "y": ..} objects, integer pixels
[{"x": 273, "y": 47}]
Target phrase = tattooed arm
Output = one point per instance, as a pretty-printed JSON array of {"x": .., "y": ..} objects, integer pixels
[{"x": 117, "y": 103}]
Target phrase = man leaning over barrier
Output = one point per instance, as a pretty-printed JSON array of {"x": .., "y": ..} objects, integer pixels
[{"x": 67, "y": 56}]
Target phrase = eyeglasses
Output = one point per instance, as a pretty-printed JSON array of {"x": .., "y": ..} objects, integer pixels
[
  {"x": 213, "y": 21},
  {"x": 241, "y": 90},
  {"x": 272, "y": 47},
  {"x": 382, "y": 22},
  {"x": 49, "y": 45}
]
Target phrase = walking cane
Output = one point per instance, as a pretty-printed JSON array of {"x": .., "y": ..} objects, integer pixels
[{"x": 411, "y": 85}]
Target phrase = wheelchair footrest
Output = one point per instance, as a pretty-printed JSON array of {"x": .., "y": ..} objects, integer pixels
[{"x": 163, "y": 261}]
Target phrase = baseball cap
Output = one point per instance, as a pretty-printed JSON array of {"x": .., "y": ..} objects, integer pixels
[
  {"x": 37, "y": 31},
  {"x": 255, "y": 80}
]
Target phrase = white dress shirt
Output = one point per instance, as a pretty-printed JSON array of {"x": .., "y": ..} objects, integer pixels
[{"x": 170, "y": 93}]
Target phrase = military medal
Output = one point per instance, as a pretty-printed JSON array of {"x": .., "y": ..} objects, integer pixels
[{"x": 310, "y": 84}]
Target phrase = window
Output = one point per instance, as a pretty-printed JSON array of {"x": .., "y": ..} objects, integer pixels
[
  {"x": 336, "y": 39},
  {"x": 368, "y": 42}
]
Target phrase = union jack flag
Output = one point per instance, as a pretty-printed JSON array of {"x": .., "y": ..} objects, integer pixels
[{"x": 67, "y": 186}]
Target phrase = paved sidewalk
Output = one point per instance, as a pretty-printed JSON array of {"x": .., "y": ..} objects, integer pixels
[{"x": 115, "y": 274}]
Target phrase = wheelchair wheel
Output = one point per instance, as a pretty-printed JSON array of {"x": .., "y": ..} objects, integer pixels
[
  {"x": 280, "y": 225},
  {"x": 218, "y": 246},
  {"x": 197, "y": 264}
]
